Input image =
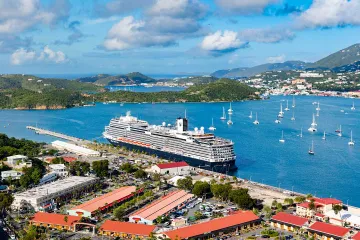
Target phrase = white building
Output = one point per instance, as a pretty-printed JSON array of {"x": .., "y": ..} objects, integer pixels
[
  {"x": 311, "y": 75},
  {"x": 11, "y": 174},
  {"x": 42, "y": 198},
  {"x": 60, "y": 145},
  {"x": 59, "y": 169},
  {"x": 18, "y": 161},
  {"x": 173, "y": 168}
]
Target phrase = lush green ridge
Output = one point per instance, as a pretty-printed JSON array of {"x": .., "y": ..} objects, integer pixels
[
  {"x": 221, "y": 90},
  {"x": 37, "y": 84},
  {"x": 13, "y": 146},
  {"x": 126, "y": 79}
]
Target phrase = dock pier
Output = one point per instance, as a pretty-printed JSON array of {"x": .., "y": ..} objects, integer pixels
[{"x": 58, "y": 135}]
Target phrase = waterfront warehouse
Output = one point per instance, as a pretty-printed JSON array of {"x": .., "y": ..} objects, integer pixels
[
  {"x": 54, "y": 221},
  {"x": 289, "y": 222},
  {"x": 172, "y": 201},
  {"x": 88, "y": 209},
  {"x": 173, "y": 168},
  {"x": 60, "y": 145},
  {"x": 42, "y": 198}
]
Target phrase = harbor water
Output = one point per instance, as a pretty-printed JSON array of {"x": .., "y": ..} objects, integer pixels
[{"x": 332, "y": 171}]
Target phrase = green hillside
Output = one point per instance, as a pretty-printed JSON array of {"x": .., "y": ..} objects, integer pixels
[
  {"x": 36, "y": 84},
  {"x": 221, "y": 90},
  {"x": 343, "y": 57},
  {"x": 126, "y": 79}
]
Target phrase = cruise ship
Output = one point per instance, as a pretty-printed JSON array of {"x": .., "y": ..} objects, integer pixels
[{"x": 173, "y": 142}]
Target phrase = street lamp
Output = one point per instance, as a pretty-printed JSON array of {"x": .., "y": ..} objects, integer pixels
[{"x": 279, "y": 185}]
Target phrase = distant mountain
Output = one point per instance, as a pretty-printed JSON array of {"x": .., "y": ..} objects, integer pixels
[
  {"x": 130, "y": 78},
  {"x": 251, "y": 71},
  {"x": 343, "y": 57}
]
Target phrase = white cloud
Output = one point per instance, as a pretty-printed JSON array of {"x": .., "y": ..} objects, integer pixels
[
  {"x": 330, "y": 13},
  {"x": 19, "y": 15},
  {"x": 163, "y": 24},
  {"x": 276, "y": 59},
  {"x": 222, "y": 41},
  {"x": 266, "y": 35},
  {"x": 244, "y": 6},
  {"x": 23, "y": 56},
  {"x": 49, "y": 55}
]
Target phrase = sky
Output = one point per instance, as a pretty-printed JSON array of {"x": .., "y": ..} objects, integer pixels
[{"x": 169, "y": 36}]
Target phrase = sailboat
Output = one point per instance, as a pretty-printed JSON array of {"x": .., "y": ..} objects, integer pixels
[
  {"x": 281, "y": 113},
  {"x": 313, "y": 125},
  {"x": 293, "y": 102},
  {"x": 230, "y": 111},
  {"x": 282, "y": 140},
  {"x": 229, "y": 122},
  {"x": 223, "y": 117},
  {"x": 353, "y": 107},
  {"x": 301, "y": 135},
  {"x": 250, "y": 116},
  {"x": 212, "y": 128},
  {"x": 311, "y": 150},
  {"x": 318, "y": 107},
  {"x": 256, "y": 122},
  {"x": 351, "y": 143},
  {"x": 293, "y": 116},
  {"x": 339, "y": 131},
  {"x": 324, "y": 137},
  {"x": 317, "y": 113},
  {"x": 277, "y": 120},
  {"x": 287, "y": 105}
]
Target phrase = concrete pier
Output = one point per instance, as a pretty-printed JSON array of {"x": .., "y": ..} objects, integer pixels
[{"x": 58, "y": 135}]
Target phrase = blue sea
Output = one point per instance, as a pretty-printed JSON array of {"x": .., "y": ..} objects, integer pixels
[{"x": 333, "y": 171}]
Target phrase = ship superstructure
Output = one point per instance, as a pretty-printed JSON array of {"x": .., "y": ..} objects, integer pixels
[{"x": 173, "y": 142}]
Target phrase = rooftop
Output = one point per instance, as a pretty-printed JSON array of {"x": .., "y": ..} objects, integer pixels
[
  {"x": 356, "y": 236},
  {"x": 172, "y": 165},
  {"x": 57, "y": 166},
  {"x": 54, "y": 187},
  {"x": 329, "y": 229},
  {"x": 163, "y": 205},
  {"x": 73, "y": 147},
  {"x": 290, "y": 219},
  {"x": 109, "y": 198},
  {"x": 212, "y": 225},
  {"x": 327, "y": 201},
  {"x": 54, "y": 218},
  {"x": 126, "y": 227}
]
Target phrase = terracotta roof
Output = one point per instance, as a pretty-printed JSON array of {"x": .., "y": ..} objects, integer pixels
[
  {"x": 172, "y": 165},
  {"x": 306, "y": 204},
  {"x": 319, "y": 215},
  {"x": 356, "y": 236},
  {"x": 128, "y": 228},
  {"x": 212, "y": 225},
  {"x": 54, "y": 218},
  {"x": 329, "y": 229},
  {"x": 327, "y": 201},
  {"x": 290, "y": 219},
  {"x": 163, "y": 205},
  {"x": 69, "y": 159},
  {"x": 107, "y": 199}
]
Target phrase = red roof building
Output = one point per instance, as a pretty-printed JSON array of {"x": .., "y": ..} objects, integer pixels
[
  {"x": 54, "y": 220},
  {"x": 225, "y": 224},
  {"x": 125, "y": 229},
  {"x": 322, "y": 205},
  {"x": 173, "y": 201},
  {"x": 172, "y": 168},
  {"x": 172, "y": 165},
  {"x": 89, "y": 208},
  {"x": 288, "y": 219},
  {"x": 356, "y": 236},
  {"x": 325, "y": 229}
]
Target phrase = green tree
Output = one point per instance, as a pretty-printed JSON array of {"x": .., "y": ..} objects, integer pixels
[
  {"x": 198, "y": 215},
  {"x": 299, "y": 199},
  {"x": 185, "y": 184},
  {"x": 66, "y": 218},
  {"x": 312, "y": 205},
  {"x": 101, "y": 168},
  {"x": 119, "y": 212},
  {"x": 279, "y": 207},
  {"x": 268, "y": 211},
  {"x": 201, "y": 189},
  {"x": 337, "y": 208},
  {"x": 242, "y": 198},
  {"x": 309, "y": 196},
  {"x": 79, "y": 168},
  {"x": 140, "y": 174},
  {"x": 274, "y": 203},
  {"x": 6, "y": 200},
  {"x": 127, "y": 167}
]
